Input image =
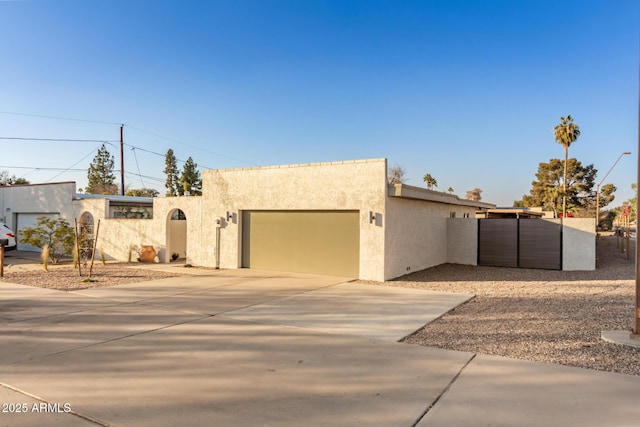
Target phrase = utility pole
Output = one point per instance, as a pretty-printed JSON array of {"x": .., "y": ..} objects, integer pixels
[
  {"x": 121, "y": 161},
  {"x": 598, "y": 189},
  {"x": 636, "y": 329}
]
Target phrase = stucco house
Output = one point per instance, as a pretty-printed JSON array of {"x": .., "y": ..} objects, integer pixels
[{"x": 337, "y": 218}]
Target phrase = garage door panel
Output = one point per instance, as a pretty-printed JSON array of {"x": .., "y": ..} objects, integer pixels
[
  {"x": 321, "y": 242},
  {"x": 24, "y": 220}
]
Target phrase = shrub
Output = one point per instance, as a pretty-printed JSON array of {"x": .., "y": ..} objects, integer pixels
[{"x": 56, "y": 234}]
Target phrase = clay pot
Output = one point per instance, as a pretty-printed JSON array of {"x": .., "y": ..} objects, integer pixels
[{"x": 147, "y": 254}]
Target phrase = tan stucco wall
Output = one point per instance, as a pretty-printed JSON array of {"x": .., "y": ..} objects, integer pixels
[
  {"x": 462, "y": 241},
  {"x": 96, "y": 207},
  {"x": 351, "y": 185},
  {"x": 199, "y": 249},
  {"x": 579, "y": 244},
  {"x": 416, "y": 234},
  {"x": 117, "y": 236}
]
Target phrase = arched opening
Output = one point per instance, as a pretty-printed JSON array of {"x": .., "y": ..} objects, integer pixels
[
  {"x": 86, "y": 236},
  {"x": 176, "y": 236}
]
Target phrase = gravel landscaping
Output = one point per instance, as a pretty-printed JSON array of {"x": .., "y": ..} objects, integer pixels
[
  {"x": 66, "y": 278},
  {"x": 538, "y": 315}
]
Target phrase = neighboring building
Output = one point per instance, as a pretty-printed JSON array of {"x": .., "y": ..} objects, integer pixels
[
  {"x": 510, "y": 213},
  {"x": 21, "y": 205},
  {"x": 337, "y": 218}
]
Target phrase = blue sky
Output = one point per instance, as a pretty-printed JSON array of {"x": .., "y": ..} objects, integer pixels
[{"x": 468, "y": 91}]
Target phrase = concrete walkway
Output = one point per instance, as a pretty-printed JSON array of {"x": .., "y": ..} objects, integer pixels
[{"x": 246, "y": 347}]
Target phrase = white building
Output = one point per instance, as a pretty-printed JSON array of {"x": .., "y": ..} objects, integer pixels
[{"x": 339, "y": 218}]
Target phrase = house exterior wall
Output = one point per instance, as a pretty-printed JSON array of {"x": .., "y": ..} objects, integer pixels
[
  {"x": 199, "y": 250},
  {"x": 120, "y": 238},
  {"x": 416, "y": 234},
  {"x": 462, "y": 241},
  {"x": 579, "y": 244},
  {"x": 351, "y": 185},
  {"x": 98, "y": 208},
  {"x": 44, "y": 198}
]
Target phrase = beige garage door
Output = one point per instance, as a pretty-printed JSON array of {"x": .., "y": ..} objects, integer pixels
[{"x": 322, "y": 242}]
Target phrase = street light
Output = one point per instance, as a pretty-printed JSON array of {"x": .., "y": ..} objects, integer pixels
[{"x": 598, "y": 189}]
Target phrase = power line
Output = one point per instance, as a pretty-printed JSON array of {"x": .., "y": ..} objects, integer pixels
[
  {"x": 137, "y": 165},
  {"x": 109, "y": 142},
  {"x": 133, "y": 147},
  {"x": 189, "y": 145},
  {"x": 35, "y": 168},
  {"x": 59, "y": 118},
  {"x": 69, "y": 168},
  {"x": 129, "y": 126},
  {"x": 146, "y": 177},
  {"x": 18, "y": 138}
]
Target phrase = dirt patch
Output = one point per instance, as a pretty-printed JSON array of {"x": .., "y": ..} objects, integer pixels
[{"x": 538, "y": 315}]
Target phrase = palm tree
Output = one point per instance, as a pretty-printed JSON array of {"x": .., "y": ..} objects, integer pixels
[
  {"x": 450, "y": 190},
  {"x": 565, "y": 134},
  {"x": 430, "y": 181}
]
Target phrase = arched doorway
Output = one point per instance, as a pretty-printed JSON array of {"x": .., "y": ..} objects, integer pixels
[{"x": 176, "y": 235}]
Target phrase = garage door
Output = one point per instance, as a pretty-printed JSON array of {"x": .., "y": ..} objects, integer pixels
[
  {"x": 25, "y": 220},
  {"x": 321, "y": 242}
]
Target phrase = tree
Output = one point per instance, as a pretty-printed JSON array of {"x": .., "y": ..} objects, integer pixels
[
  {"x": 450, "y": 190},
  {"x": 474, "y": 195},
  {"x": 396, "y": 175},
  {"x": 57, "y": 234},
  {"x": 100, "y": 176},
  {"x": 430, "y": 181},
  {"x": 580, "y": 194},
  {"x": 632, "y": 203},
  {"x": 171, "y": 170},
  {"x": 142, "y": 192},
  {"x": 565, "y": 134},
  {"x": 190, "y": 178},
  {"x": 606, "y": 219},
  {"x": 6, "y": 180}
]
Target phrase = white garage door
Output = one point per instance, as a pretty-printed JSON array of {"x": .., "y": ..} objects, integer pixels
[{"x": 29, "y": 220}]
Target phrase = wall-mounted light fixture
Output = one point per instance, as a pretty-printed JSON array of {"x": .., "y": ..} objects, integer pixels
[
  {"x": 372, "y": 217},
  {"x": 229, "y": 216}
]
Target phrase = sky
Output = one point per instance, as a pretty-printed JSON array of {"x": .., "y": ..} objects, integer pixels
[{"x": 467, "y": 91}]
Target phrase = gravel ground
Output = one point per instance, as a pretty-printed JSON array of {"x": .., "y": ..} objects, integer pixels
[
  {"x": 539, "y": 315},
  {"x": 66, "y": 278}
]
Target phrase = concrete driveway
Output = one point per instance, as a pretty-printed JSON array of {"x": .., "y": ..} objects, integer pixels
[
  {"x": 254, "y": 348},
  {"x": 237, "y": 347}
]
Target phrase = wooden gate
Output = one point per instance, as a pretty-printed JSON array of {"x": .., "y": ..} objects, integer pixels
[{"x": 524, "y": 243}]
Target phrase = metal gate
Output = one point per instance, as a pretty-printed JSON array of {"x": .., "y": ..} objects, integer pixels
[{"x": 524, "y": 243}]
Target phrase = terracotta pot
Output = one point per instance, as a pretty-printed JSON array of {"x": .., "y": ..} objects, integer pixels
[{"x": 147, "y": 254}]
